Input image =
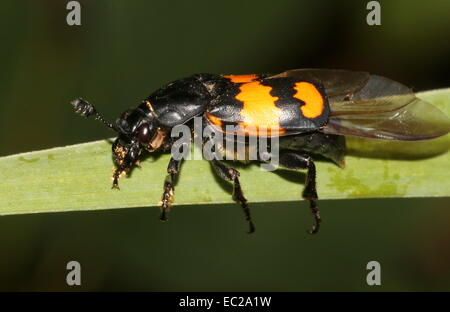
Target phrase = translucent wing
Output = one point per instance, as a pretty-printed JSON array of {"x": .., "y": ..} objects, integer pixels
[
  {"x": 371, "y": 106},
  {"x": 385, "y": 109},
  {"x": 337, "y": 83}
]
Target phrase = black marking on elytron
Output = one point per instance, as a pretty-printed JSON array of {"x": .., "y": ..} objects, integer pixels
[
  {"x": 292, "y": 118},
  {"x": 227, "y": 108}
]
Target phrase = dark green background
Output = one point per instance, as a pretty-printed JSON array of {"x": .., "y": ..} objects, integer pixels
[{"x": 126, "y": 49}]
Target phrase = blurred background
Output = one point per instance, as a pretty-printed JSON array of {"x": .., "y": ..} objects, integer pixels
[{"x": 125, "y": 50}]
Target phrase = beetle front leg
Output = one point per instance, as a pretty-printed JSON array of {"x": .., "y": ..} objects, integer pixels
[
  {"x": 125, "y": 159},
  {"x": 231, "y": 174},
  {"x": 118, "y": 173},
  {"x": 167, "y": 198},
  {"x": 296, "y": 161}
]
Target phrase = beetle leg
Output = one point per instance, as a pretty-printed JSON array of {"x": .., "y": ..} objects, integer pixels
[
  {"x": 230, "y": 174},
  {"x": 296, "y": 161},
  {"x": 118, "y": 173},
  {"x": 167, "y": 198}
]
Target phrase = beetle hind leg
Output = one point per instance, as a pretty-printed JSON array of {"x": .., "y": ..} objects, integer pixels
[
  {"x": 230, "y": 174},
  {"x": 239, "y": 197},
  {"x": 296, "y": 162}
]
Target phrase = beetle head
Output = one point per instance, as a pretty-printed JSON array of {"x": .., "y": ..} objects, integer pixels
[
  {"x": 136, "y": 131},
  {"x": 137, "y": 128}
]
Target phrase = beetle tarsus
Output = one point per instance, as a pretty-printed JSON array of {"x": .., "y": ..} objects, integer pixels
[
  {"x": 232, "y": 175},
  {"x": 115, "y": 185},
  {"x": 239, "y": 197},
  {"x": 317, "y": 219},
  {"x": 296, "y": 161},
  {"x": 119, "y": 172},
  {"x": 166, "y": 200}
]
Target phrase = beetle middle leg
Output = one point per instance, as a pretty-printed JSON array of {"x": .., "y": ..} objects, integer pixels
[
  {"x": 297, "y": 161},
  {"x": 230, "y": 174},
  {"x": 167, "y": 198}
]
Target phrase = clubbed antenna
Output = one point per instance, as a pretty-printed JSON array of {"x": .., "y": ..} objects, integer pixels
[{"x": 86, "y": 109}]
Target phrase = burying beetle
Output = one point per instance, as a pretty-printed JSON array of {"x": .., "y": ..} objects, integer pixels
[{"x": 311, "y": 110}]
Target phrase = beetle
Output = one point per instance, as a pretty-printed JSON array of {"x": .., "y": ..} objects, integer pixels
[{"x": 310, "y": 110}]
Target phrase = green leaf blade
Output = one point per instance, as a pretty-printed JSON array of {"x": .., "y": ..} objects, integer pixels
[{"x": 77, "y": 178}]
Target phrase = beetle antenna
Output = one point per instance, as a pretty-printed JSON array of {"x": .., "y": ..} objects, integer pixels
[{"x": 86, "y": 109}]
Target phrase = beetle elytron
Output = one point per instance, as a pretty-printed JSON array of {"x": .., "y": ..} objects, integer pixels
[{"x": 311, "y": 110}]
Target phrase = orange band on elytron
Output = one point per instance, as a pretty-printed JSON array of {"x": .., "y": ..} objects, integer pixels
[
  {"x": 214, "y": 120},
  {"x": 259, "y": 109},
  {"x": 314, "y": 102},
  {"x": 241, "y": 78}
]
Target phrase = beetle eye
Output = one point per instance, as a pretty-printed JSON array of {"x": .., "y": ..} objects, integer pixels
[{"x": 143, "y": 133}]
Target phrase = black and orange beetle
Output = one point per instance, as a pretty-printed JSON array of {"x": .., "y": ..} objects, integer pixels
[{"x": 311, "y": 110}]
